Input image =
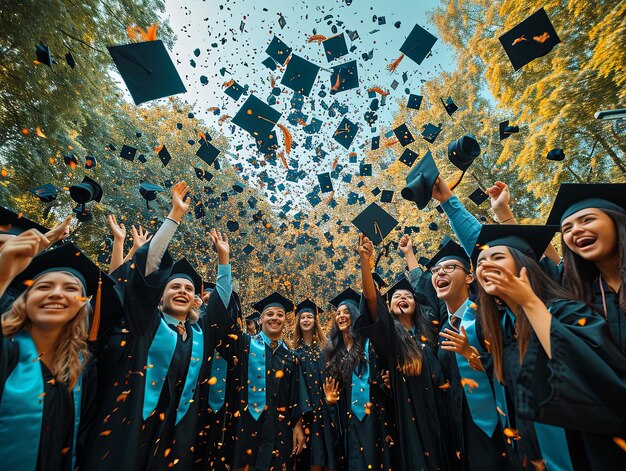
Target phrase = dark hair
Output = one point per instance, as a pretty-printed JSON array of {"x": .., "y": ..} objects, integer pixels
[
  {"x": 338, "y": 360},
  {"x": 490, "y": 316},
  {"x": 318, "y": 333},
  {"x": 579, "y": 275}
]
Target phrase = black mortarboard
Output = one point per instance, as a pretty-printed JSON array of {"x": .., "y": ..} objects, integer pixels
[
  {"x": 347, "y": 295},
  {"x": 335, "y": 47},
  {"x": 416, "y": 46},
  {"x": 463, "y": 151},
  {"x": 344, "y": 77},
  {"x": 375, "y": 142},
  {"x": 365, "y": 170},
  {"x": 556, "y": 155},
  {"x": 269, "y": 63},
  {"x": 574, "y": 197},
  {"x": 164, "y": 155},
  {"x": 431, "y": 132},
  {"x": 345, "y": 133},
  {"x": 87, "y": 190},
  {"x": 248, "y": 249},
  {"x": 274, "y": 300},
  {"x": 450, "y": 251},
  {"x": 90, "y": 162},
  {"x": 17, "y": 222},
  {"x": 282, "y": 22},
  {"x": 278, "y": 50},
  {"x": 183, "y": 269},
  {"x": 414, "y": 102},
  {"x": 234, "y": 90},
  {"x": 256, "y": 117},
  {"x": 69, "y": 58},
  {"x": 378, "y": 280},
  {"x": 478, "y": 196},
  {"x": 326, "y": 184},
  {"x": 255, "y": 316},
  {"x": 404, "y": 135},
  {"x": 42, "y": 53},
  {"x": 128, "y": 152},
  {"x": 386, "y": 196},
  {"x": 300, "y": 75},
  {"x": 149, "y": 191},
  {"x": 420, "y": 181},
  {"x": 46, "y": 193},
  {"x": 528, "y": 239},
  {"x": 207, "y": 152},
  {"x": 375, "y": 223},
  {"x": 449, "y": 105},
  {"x": 308, "y": 306},
  {"x": 147, "y": 70},
  {"x": 505, "y": 130},
  {"x": 532, "y": 38},
  {"x": 408, "y": 157},
  {"x": 401, "y": 284}
]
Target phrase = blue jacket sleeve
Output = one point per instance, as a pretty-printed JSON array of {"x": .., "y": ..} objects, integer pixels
[
  {"x": 224, "y": 283},
  {"x": 464, "y": 224}
]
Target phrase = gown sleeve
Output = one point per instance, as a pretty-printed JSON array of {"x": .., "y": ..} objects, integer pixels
[
  {"x": 379, "y": 332},
  {"x": 299, "y": 403},
  {"x": 224, "y": 283},
  {"x": 465, "y": 226},
  {"x": 583, "y": 386}
]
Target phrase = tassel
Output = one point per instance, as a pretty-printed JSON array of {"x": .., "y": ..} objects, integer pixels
[
  {"x": 316, "y": 37},
  {"x": 378, "y": 90},
  {"x": 229, "y": 83},
  {"x": 335, "y": 163},
  {"x": 337, "y": 83},
  {"x": 330, "y": 198},
  {"x": 95, "y": 324},
  {"x": 287, "y": 140},
  {"x": 273, "y": 81},
  {"x": 137, "y": 33},
  {"x": 391, "y": 143},
  {"x": 455, "y": 184},
  {"x": 284, "y": 160},
  {"x": 223, "y": 118},
  {"x": 394, "y": 65}
]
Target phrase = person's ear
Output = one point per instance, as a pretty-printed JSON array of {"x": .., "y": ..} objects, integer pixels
[
  {"x": 197, "y": 302},
  {"x": 469, "y": 279}
]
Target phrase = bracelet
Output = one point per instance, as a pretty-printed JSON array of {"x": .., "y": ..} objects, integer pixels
[
  {"x": 508, "y": 219},
  {"x": 177, "y": 223}
]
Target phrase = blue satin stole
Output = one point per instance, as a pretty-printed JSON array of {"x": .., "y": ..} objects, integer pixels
[
  {"x": 217, "y": 391},
  {"x": 257, "y": 374},
  {"x": 159, "y": 359},
  {"x": 480, "y": 399},
  {"x": 361, "y": 386},
  {"x": 21, "y": 408}
]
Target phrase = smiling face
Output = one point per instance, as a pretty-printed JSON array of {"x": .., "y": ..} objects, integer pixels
[
  {"x": 307, "y": 321},
  {"x": 402, "y": 302},
  {"x": 591, "y": 234},
  {"x": 499, "y": 255},
  {"x": 178, "y": 297},
  {"x": 450, "y": 285},
  {"x": 273, "y": 321},
  {"x": 342, "y": 318},
  {"x": 54, "y": 299}
]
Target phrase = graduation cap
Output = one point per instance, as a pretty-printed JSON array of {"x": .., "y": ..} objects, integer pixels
[
  {"x": 431, "y": 132},
  {"x": 408, "y": 157},
  {"x": 345, "y": 132},
  {"x": 149, "y": 192},
  {"x": 42, "y": 53},
  {"x": 505, "y": 130},
  {"x": 414, "y": 102},
  {"x": 164, "y": 155},
  {"x": 531, "y": 240},
  {"x": 17, "y": 222},
  {"x": 300, "y": 75},
  {"x": 269, "y": 63},
  {"x": 69, "y": 58},
  {"x": 556, "y": 155},
  {"x": 463, "y": 151},
  {"x": 326, "y": 184},
  {"x": 282, "y": 22},
  {"x": 386, "y": 196},
  {"x": 256, "y": 117},
  {"x": 234, "y": 90},
  {"x": 46, "y": 193},
  {"x": 90, "y": 162},
  {"x": 378, "y": 281},
  {"x": 450, "y": 251},
  {"x": 401, "y": 284},
  {"x": 70, "y": 259},
  {"x": 70, "y": 160},
  {"x": 344, "y": 77},
  {"x": 308, "y": 306},
  {"x": 278, "y": 50},
  {"x": 335, "y": 47},
  {"x": 375, "y": 223},
  {"x": 147, "y": 70},
  {"x": 273, "y": 300},
  {"x": 420, "y": 181},
  {"x": 478, "y": 196},
  {"x": 403, "y": 135},
  {"x": 449, "y": 105},
  {"x": 207, "y": 152},
  {"x": 416, "y": 47},
  {"x": 375, "y": 142},
  {"x": 346, "y": 296},
  {"x": 365, "y": 170},
  {"x": 574, "y": 197},
  {"x": 183, "y": 269},
  {"x": 82, "y": 193},
  {"x": 532, "y": 38}
]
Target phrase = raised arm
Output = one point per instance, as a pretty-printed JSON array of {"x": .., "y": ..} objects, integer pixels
[
  {"x": 406, "y": 247},
  {"x": 366, "y": 249},
  {"x": 224, "y": 281},
  {"x": 17, "y": 253},
  {"x": 140, "y": 238},
  {"x": 119, "y": 235}
]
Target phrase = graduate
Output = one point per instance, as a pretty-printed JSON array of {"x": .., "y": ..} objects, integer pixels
[
  {"x": 401, "y": 333},
  {"x": 148, "y": 399},
  {"x": 47, "y": 379},
  {"x": 476, "y": 426},
  {"x": 355, "y": 391},
  {"x": 322, "y": 436},
  {"x": 547, "y": 347},
  {"x": 252, "y": 323}
]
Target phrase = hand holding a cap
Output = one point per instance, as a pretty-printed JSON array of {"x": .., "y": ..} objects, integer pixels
[
  {"x": 441, "y": 190},
  {"x": 180, "y": 201},
  {"x": 365, "y": 249}
]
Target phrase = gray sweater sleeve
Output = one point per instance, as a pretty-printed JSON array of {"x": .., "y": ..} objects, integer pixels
[{"x": 158, "y": 245}]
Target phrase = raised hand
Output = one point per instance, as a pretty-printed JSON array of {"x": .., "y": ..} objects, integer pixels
[
  {"x": 499, "y": 196},
  {"x": 365, "y": 249},
  {"x": 220, "y": 242},
  {"x": 331, "y": 390},
  {"x": 60, "y": 231},
  {"x": 180, "y": 201},
  {"x": 16, "y": 253},
  {"x": 118, "y": 230},
  {"x": 457, "y": 342},
  {"x": 140, "y": 237},
  {"x": 498, "y": 281},
  {"x": 441, "y": 190},
  {"x": 405, "y": 245}
]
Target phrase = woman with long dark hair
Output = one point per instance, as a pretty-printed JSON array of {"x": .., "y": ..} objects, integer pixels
[
  {"x": 354, "y": 390},
  {"x": 405, "y": 340},
  {"x": 547, "y": 347}
]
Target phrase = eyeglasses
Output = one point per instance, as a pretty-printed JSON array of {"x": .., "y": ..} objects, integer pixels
[{"x": 447, "y": 268}]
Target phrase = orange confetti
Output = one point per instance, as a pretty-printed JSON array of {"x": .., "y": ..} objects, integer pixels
[
  {"x": 162, "y": 416},
  {"x": 581, "y": 322},
  {"x": 511, "y": 433},
  {"x": 316, "y": 38},
  {"x": 519, "y": 40},
  {"x": 28, "y": 282},
  {"x": 280, "y": 373},
  {"x": 500, "y": 412},
  {"x": 470, "y": 383},
  {"x": 445, "y": 385},
  {"x": 25, "y": 132},
  {"x": 122, "y": 397},
  {"x": 167, "y": 452},
  {"x": 378, "y": 90},
  {"x": 542, "y": 38},
  {"x": 620, "y": 442},
  {"x": 5, "y": 172},
  {"x": 39, "y": 132},
  {"x": 105, "y": 433}
]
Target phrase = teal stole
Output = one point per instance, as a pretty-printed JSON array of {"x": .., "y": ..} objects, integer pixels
[
  {"x": 217, "y": 391},
  {"x": 257, "y": 374},
  {"x": 361, "y": 386},
  {"x": 480, "y": 399},
  {"x": 159, "y": 359},
  {"x": 21, "y": 409}
]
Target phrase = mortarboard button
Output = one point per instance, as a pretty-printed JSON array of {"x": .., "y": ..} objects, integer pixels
[
  {"x": 478, "y": 196},
  {"x": 278, "y": 50},
  {"x": 164, "y": 155},
  {"x": 408, "y": 157},
  {"x": 414, "y": 102},
  {"x": 532, "y": 38},
  {"x": 404, "y": 135},
  {"x": 344, "y": 77},
  {"x": 147, "y": 70},
  {"x": 128, "y": 152},
  {"x": 556, "y": 155},
  {"x": 420, "y": 181},
  {"x": 335, "y": 47},
  {"x": 506, "y": 130},
  {"x": 431, "y": 132},
  {"x": 449, "y": 105},
  {"x": 300, "y": 75},
  {"x": 375, "y": 223},
  {"x": 46, "y": 193},
  {"x": 416, "y": 47},
  {"x": 42, "y": 52}
]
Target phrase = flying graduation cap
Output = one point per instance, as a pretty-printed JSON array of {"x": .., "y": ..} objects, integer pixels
[
  {"x": 82, "y": 193},
  {"x": 259, "y": 119},
  {"x": 416, "y": 46},
  {"x": 46, "y": 193},
  {"x": 420, "y": 181},
  {"x": 149, "y": 192},
  {"x": 462, "y": 153},
  {"x": 375, "y": 223}
]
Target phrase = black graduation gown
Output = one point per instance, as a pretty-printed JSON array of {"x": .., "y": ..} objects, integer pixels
[
  {"x": 322, "y": 436},
  {"x": 470, "y": 447},
  {"x": 121, "y": 439},
  {"x": 57, "y": 427},
  {"x": 581, "y": 388},
  {"x": 418, "y": 400},
  {"x": 615, "y": 317}
]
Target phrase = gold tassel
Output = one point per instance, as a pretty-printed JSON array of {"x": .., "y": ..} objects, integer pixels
[
  {"x": 283, "y": 159},
  {"x": 330, "y": 198},
  {"x": 137, "y": 33},
  {"x": 337, "y": 84},
  {"x": 394, "y": 65},
  {"x": 335, "y": 163},
  {"x": 229, "y": 83},
  {"x": 378, "y": 90},
  {"x": 95, "y": 323},
  {"x": 391, "y": 143},
  {"x": 286, "y": 137},
  {"x": 455, "y": 184},
  {"x": 316, "y": 37}
]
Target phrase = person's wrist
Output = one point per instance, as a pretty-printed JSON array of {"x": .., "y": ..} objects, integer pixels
[
  {"x": 223, "y": 259},
  {"x": 176, "y": 215}
]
